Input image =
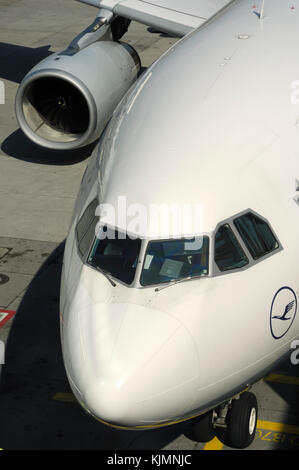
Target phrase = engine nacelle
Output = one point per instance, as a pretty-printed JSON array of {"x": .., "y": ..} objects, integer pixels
[{"x": 65, "y": 101}]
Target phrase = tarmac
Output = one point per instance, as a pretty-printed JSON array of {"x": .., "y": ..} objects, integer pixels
[{"x": 38, "y": 189}]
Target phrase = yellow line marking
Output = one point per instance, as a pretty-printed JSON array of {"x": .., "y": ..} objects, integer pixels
[
  {"x": 278, "y": 427},
  {"x": 68, "y": 397},
  {"x": 284, "y": 379},
  {"x": 214, "y": 444}
]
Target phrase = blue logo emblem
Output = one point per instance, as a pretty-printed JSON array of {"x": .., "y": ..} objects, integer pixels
[{"x": 283, "y": 312}]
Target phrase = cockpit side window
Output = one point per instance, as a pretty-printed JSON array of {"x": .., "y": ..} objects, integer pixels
[
  {"x": 256, "y": 235},
  {"x": 228, "y": 252},
  {"x": 85, "y": 229},
  {"x": 115, "y": 253}
]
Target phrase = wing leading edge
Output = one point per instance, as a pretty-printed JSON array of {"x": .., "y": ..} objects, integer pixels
[{"x": 176, "y": 17}]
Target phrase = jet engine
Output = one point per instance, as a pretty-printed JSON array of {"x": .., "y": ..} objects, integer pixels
[{"x": 66, "y": 100}]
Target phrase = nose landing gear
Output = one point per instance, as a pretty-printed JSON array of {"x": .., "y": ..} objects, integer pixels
[
  {"x": 234, "y": 423},
  {"x": 242, "y": 419}
]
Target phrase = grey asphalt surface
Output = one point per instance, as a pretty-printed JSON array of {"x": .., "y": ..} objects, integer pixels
[{"x": 37, "y": 193}]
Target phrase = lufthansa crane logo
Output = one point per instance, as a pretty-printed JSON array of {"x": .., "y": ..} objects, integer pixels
[{"x": 283, "y": 312}]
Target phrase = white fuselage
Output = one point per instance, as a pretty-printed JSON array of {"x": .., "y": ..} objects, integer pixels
[{"x": 213, "y": 123}]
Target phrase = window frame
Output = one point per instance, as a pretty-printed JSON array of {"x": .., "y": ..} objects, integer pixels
[
  {"x": 214, "y": 252},
  {"x": 85, "y": 255},
  {"x": 214, "y": 271},
  {"x": 270, "y": 228},
  {"x": 160, "y": 284},
  {"x": 111, "y": 275},
  {"x": 252, "y": 262}
]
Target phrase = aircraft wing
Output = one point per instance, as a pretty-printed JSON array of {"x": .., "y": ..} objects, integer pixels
[{"x": 177, "y": 17}]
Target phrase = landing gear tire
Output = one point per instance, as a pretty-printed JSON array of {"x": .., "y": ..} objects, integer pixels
[
  {"x": 241, "y": 421},
  {"x": 202, "y": 429}
]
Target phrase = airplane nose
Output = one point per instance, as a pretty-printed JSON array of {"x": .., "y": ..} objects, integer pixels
[
  {"x": 140, "y": 365},
  {"x": 107, "y": 402}
]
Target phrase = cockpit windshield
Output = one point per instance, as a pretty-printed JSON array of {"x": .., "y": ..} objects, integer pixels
[
  {"x": 115, "y": 253},
  {"x": 171, "y": 260},
  {"x": 167, "y": 262}
]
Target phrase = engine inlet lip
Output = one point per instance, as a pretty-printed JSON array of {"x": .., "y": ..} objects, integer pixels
[{"x": 84, "y": 138}]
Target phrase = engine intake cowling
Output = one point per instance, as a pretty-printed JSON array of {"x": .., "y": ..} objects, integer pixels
[{"x": 65, "y": 101}]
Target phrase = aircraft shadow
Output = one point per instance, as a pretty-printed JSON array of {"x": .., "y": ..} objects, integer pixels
[
  {"x": 31, "y": 417},
  {"x": 161, "y": 34},
  {"x": 18, "y": 146},
  {"x": 16, "y": 61},
  {"x": 289, "y": 395}
]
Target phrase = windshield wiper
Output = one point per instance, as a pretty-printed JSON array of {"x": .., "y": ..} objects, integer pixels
[
  {"x": 106, "y": 274},
  {"x": 175, "y": 281}
]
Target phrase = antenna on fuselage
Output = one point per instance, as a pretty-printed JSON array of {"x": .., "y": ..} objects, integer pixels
[
  {"x": 260, "y": 14},
  {"x": 262, "y": 10}
]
